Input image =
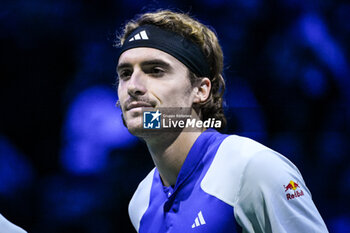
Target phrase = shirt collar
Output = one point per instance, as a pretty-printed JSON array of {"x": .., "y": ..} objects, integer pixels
[{"x": 195, "y": 155}]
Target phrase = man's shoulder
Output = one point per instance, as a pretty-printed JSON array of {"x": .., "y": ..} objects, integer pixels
[
  {"x": 238, "y": 151},
  {"x": 231, "y": 163},
  {"x": 140, "y": 200}
]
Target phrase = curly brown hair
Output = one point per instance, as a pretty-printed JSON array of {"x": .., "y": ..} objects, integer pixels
[{"x": 206, "y": 39}]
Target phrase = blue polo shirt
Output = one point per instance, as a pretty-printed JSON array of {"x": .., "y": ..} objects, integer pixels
[{"x": 227, "y": 184}]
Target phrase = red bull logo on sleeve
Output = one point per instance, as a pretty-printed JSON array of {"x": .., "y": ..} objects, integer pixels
[{"x": 293, "y": 192}]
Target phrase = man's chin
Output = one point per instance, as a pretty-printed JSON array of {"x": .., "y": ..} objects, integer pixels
[
  {"x": 135, "y": 127},
  {"x": 140, "y": 132},
  {"x": 136, "y": 131}
]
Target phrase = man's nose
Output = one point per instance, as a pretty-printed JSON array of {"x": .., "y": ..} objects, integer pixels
[{"x": 137, "y": 84}]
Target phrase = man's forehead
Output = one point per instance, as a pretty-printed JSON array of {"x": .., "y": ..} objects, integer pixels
[{"x": 137, "y": 55}]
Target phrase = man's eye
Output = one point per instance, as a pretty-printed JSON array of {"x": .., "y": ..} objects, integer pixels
[
  {"x": 124, "y": 74},
  {"x": 157, "y": 71}
]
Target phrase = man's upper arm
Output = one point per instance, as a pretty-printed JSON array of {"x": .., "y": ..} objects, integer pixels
[
  {"x": 273, "y": 197},
  {"x": 256, "y": 181}
]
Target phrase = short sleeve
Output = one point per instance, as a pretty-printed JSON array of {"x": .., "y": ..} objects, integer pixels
[{"x": 273, "y": 197}]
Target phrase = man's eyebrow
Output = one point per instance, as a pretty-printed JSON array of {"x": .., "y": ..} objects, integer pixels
[
  {"x": 156, "y": 62},
  {"x": 123, "y": 65}
]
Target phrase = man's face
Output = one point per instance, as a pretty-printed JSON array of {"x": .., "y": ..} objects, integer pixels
[{"x": 151, "y": 78}]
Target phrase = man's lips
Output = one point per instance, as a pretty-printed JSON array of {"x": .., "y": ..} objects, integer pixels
[{"x": 138, "y": 105}]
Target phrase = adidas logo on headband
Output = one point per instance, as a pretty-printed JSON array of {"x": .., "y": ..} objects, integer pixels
[{"x": 140, "y": 36}]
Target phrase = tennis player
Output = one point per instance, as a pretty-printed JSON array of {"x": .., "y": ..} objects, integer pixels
[{"x": 203, "y": 181}]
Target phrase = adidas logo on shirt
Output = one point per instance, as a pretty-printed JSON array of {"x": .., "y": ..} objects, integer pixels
[
  {"x": 199, "y": 220},
  {"x": 140, "y": 36}
]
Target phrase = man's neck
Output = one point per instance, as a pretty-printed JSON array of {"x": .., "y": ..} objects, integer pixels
[{"x": 169, "y": 153}]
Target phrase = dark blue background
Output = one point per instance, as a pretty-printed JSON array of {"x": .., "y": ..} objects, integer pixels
[{"x": 67, "y": 164}]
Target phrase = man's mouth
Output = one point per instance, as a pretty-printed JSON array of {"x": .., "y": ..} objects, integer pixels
[{"x": 138, "y": 104}]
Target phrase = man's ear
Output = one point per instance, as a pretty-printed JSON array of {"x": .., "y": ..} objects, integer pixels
[{"x": 202, "y": 91}]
